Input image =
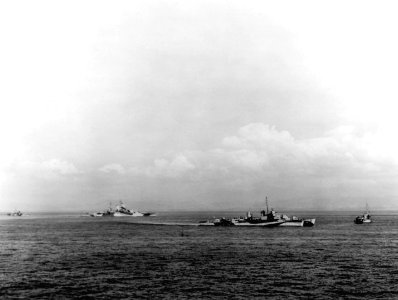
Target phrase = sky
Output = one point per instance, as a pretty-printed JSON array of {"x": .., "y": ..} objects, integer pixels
[{"x": 198, "y": 105}]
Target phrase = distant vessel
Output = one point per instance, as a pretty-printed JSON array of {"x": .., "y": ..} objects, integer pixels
[
  {"x": 365, "y": 218},
  {"x": 267, "y": 218},
  {"x": 263, "y": 221},
  {"x": 16, "y": 213},
  {"x": 122, "y": 211}
]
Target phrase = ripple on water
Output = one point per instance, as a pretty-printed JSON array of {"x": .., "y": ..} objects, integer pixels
[{"x": 90, "y": 258}]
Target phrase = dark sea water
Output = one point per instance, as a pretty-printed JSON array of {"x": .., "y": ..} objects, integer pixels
[{"x": 61, "y": 256}]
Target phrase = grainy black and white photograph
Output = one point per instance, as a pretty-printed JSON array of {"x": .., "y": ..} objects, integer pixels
[{"x": 198, "y": 149}]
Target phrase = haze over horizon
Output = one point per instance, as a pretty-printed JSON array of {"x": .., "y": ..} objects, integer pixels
[{"x": 198, "y": 105}]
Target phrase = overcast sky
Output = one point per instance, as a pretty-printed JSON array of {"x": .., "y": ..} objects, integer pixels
[{"x": 198, "y": 105}]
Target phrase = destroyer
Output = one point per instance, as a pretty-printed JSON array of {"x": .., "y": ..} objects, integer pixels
[{"x": 268, "y": 218}]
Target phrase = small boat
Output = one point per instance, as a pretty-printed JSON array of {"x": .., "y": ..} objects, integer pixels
[
  {"x": 365, "y": 218},
  {"x": 16, "y": 213},
  {"x": 148, "y": 214}
]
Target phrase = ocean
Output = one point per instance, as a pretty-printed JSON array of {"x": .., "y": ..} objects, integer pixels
[{"x": 57, "y": 256}]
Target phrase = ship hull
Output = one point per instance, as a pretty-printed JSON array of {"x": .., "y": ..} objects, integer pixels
[
  {"x": 264, "y": 224},
  {"x": 293, "y": 224},
  {"x": 135, "y": 214},
  {"x": 206, "y": 224},
  {"x": 309, "y": 222},
  {"x": 227, "y": 223},
  {"x": 99, "y": 214},
  {"x": 362, "y": 220},
  {"x": 96, "y": 215}
]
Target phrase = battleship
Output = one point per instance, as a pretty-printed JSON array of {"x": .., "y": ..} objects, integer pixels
[{"x": 121, "y": 211}]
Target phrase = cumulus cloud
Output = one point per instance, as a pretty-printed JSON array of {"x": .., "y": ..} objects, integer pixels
[
  {"x": 345, "y": 162},
  {"x": 256, "y": 145},
  {"x": 113, "y": 168},
  {"x": 175, "y": 167},
  {"x": 59, "y": 166},
  {"x": 342, "y": 142},
  {"x": 52, "y": 168},
  {"x": 262, "y": 151},
  {"x": 258, "y": 159},
  {"x": 259, "y": 151}
]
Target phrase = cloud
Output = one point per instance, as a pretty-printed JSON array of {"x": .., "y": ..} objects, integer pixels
[
  {"x": 59, "y": 166},
  {"x": 258, "y": 159},
  {"x": 259, "y": 151},
  {"x": 256, "y": 146},
  {"x": 113, "y": 168},
  {"x": 49, "y": 169},
  {"x": 258, "y": 135},
  {"x": 176, "y": 167}
]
